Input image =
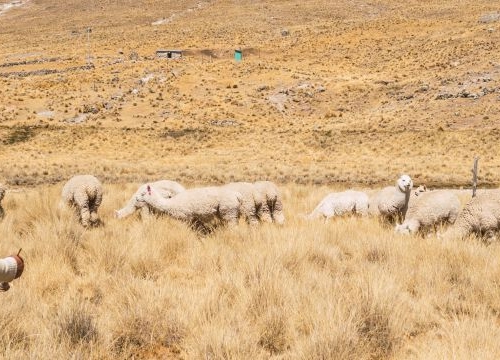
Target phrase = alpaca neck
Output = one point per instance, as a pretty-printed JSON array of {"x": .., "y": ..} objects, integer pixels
[
  {"x": 166, "y": 206},
  {"x": 407, "y": 201},
  {"x": 128, "y": 209}
]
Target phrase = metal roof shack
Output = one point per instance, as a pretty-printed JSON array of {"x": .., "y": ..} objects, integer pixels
[{"x": 169, "y": 54}]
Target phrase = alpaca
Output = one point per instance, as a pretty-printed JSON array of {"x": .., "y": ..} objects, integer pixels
[
  {"x": 166, "y": 188},
  {"x": 199, "y": 207},
  {"x": 84, "y": 193}
]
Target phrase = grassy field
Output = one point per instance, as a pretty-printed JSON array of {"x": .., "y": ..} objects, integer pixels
[
  {"x": 348, "y": 288},
  {"x": 330, "y": 95}
]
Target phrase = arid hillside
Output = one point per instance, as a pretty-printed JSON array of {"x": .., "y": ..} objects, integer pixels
[{"x": 344, "y": 91}]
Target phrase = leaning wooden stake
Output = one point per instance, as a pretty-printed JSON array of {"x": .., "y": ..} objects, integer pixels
[{"x": 474, "y": 177}]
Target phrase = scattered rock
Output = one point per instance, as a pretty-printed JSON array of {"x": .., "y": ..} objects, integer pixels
[
  {"x": 405, "y": 97},
  {"x": 278, "y": 101},
  {"x": 163, "y": 21},
  {"x": 176, "y": 72},
  {"x": 133, "y": 56},
  {"x": 489, "y": 18},
  {"x": 444, "y": 96},
  {"x": 46, "y": 113},
  {"x": 90, "y": 109},
  {"x": 320, "y": 88},
  {"x": 78, "y": 119},
  {"x": 117, "y": 96},
  {"x": 225, "y": 122},
  {"x": 423, "y": 88},
  {"x": 146, "y": 79}
]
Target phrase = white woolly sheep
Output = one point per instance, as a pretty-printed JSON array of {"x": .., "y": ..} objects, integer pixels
[
  {"x": 429, "y": 209},
  {"x": 166, "y": 188},
  {"x": 480, "y": 216},
  {"x": 260, "y": 201},
  {"x": 84, "y": 193},
  {"x": 199, "y": 207},
  {"x": 271, "y": 208},
  {"x": 341, "y": 203},
  {"x": 3, "y": 190},
  {"x": 251, "y": 200},
  {"x": 392, "y": 202}
]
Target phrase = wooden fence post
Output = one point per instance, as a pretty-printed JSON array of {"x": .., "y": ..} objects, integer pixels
[{"x": 474, "y": 176}]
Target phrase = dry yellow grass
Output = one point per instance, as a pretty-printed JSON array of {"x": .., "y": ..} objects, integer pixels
[{"x": 348, "y": 288}]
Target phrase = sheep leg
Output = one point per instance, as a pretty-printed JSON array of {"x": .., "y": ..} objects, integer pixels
[
  {"x": 249, "y": 212},
  {"x": 228, "y": 215},
  {"x": 277, "y": 212},
  {"x": 85, "y": 216},
  {"x": 252, "y": 219},
  {"x": 81, "y": 204},
  {"x": 93, "y": 207},
  {"x": 489, "y": 237},
  {"x": 361, "y": 209},
  {"x": 264, "y": 213}
]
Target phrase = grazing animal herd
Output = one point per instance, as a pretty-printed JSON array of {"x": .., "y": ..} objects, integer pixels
[
  {"x": 202, "y": 208},
  {"x": 205, "y": 208}
]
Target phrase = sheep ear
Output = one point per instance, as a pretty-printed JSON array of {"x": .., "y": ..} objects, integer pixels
[{"x": 149, "y": 190}]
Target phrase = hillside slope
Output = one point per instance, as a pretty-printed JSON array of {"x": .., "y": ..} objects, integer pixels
[{"x": 327, "y": 91}]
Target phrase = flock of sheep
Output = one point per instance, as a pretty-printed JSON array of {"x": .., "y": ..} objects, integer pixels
[
  {"x": 420, "y": 210},
  {"x": 204, "y": 208}
]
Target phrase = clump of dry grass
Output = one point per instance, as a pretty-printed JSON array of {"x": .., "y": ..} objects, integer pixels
[{"x": 348, "y": 288}]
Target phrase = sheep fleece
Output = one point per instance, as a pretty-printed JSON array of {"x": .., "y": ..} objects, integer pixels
[
  {"x": 481, "y": 215},
  {"x": 85, "y": 193},
  {"x": 431, "y": 208},
  {"x": 340, "y": 203}
]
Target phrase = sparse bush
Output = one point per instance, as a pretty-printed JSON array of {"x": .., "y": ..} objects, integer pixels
[
  {"x": 19, "y": 134},
  {"x": 77, "y": 326}
]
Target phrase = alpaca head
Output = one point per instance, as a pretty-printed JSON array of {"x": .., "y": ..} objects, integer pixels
[
  {"x": 408, "y": 227},
  {"x": 140, "y": 198},
  {"x": 402, "y": 229},
  {"x": 404, "y": 183},
  {"x": 421, "y": 189}
]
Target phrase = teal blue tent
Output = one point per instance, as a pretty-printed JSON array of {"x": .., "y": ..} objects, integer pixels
[{"x": 238, "y": 55}]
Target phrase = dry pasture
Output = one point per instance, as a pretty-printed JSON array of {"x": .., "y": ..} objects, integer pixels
[{"x": 347, "y": 288}]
